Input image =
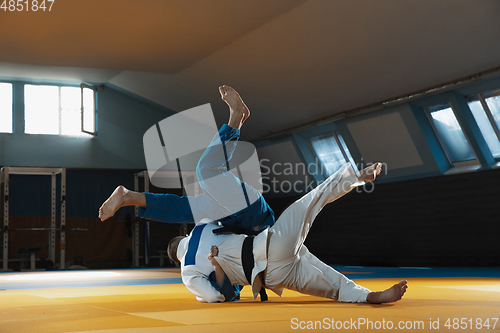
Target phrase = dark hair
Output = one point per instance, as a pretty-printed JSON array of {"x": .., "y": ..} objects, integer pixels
[{"x": 172, "y": 248}]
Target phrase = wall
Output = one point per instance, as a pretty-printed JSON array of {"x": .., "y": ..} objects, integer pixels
[
  {"x": 391, "y": 136},
  {"x": 416, "y": 214},
  {"x": 94, "y": 168},
  {"x": 400, "y": 136},
  {"x": 435, "y": 221},
  {"x": 122, "y": 121}
]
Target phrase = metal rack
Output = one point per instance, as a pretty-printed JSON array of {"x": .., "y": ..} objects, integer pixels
[
  {"x": 53, "y": 172},
  {"x": 135, "y": 230}
]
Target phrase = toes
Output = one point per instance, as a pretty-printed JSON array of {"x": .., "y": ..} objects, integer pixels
[
  {"x": 222, "y": 90},
  {"x": 404, "y": 286}
]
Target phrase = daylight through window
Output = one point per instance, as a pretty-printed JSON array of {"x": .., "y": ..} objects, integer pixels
[
  {"x": 57, "y": 111},
  {"x": 450, "y": 134},
  {"x": 6, "y": 108}
]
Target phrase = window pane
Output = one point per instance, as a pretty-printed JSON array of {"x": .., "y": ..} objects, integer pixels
[
  {"x": 89, "y": 110},
  {"x": 5, "y": 108},
  {"x": 453, "y": 139},
  {"x": 494, "y": 105},
  {"x": 41, "y": 109},
  {"x": 485, "y": 126},
  {"x": 328, "y": 152},
  {"x": 346, "y": 151},
  {"x": 70, "y": 111}
]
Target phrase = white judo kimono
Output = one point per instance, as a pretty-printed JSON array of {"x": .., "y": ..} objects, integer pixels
[{"x": 279, "y": 252}]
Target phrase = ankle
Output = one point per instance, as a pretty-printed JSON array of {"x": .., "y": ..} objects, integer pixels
[
  {"x": 235, "y": 121},
  {"x": 373, "y": 297},
  {"x": 124, "y": 196}
]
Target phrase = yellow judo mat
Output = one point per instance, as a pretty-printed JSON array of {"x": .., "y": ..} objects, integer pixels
[{"x": 153, "y": 300}]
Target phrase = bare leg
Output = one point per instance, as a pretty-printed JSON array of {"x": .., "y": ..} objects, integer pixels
[
  {"x": 121, "y": 197},
  {"x": 393, "y": 294},
  {"x": 238, "y": 112},
  {"x": 237, "y": 108}
]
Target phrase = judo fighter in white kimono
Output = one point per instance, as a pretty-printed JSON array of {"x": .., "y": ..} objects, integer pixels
[{"x": 216, "y": 262}]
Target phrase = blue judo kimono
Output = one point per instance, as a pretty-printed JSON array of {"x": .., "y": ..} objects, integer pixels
[
  {"x": 217, "y": 196},
  {"x": 215, "y": 202}
]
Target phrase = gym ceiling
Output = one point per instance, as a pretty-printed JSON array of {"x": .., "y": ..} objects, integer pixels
[{"x": 292, "y": 60}]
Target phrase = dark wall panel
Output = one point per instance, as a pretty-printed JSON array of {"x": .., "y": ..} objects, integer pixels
[{"x": 439, "y": 221}]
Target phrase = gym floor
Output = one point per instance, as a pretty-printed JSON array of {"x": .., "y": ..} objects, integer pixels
[{"x": 154, "y": 300}]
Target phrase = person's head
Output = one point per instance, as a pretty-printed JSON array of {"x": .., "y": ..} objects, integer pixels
[{"x": 172, "y": 248}]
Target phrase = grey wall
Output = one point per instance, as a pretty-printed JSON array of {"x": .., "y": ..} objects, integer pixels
[{"x": 122, "y": 121}]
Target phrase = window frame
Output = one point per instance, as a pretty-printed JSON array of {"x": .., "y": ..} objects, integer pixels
[
  {"x": 59, "y": 86},
  {"x": 428, "y": 112},
  {"x": 334, "y": 134},
  {"x": 82, "y": 109},
  {"x": 482, "y": 99}
]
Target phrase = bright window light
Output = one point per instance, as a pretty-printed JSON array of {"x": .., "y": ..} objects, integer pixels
[
  {"x": 494, "y": 106},
  {"x": 54, "y": 110},
  {"x": 328, "y": 152},
  {"x": 41, "y": 109},
  {"x": 485, "y": 127},
  {"x": 71, "y": 111},
  {"x": 5, "y": 108},
  {"x": 450, "y": 134},
  {"x": 346, "y": 151}
]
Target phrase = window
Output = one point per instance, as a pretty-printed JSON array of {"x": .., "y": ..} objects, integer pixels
[
  {"x": 55, "y": 110},
  {"x": 5, "y": 108},
  {"x": 331, "y": 151},
  {"x": 450, "y": 134},
  {"x": 486, "y": 111},
  {"x": 88, "y": 109},
  {"x": 493, "y": 103},
  {"x": 485, "y": 127}
]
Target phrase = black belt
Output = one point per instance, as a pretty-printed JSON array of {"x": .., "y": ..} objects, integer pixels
[{"x": 248, "y": 262}]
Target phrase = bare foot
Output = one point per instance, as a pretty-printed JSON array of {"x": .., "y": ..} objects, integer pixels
[
  {"x": 370, "y": 173},
  {"x": 114, "y": 202},
  {"x": 393, "y": 294},
  {"x": 238, "y": 110}
]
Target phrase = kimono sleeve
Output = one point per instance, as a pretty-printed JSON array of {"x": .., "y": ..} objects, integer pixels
[{"x": 201, "y": 286}]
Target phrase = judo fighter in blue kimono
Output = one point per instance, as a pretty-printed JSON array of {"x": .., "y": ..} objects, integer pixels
[{"x": 231, "y": 247}]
